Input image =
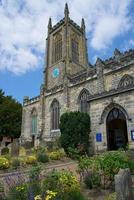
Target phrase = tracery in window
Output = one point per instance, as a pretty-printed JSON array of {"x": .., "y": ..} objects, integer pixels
[
  {"x": 55, "y": 114},
  {"x": 126, "y": 81},
  {"x": 83, "y": 97},
  {"x": 57, "y": 48}
]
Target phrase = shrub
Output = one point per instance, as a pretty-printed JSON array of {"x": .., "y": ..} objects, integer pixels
[
  {"x": 4, "y": 163},
  {"x": 61, "y": 179},
  {"x": 92, "y": 180},
  {"x": 75, "y": 195},
  {"x": 75, "y": 129},
  {"x": 112, "y": 196},
  {"x": 107, "y": 164},
  {"x": 57, "y": 155},
  {"x": 15, "y": 163},
  {"x": 31, "y": 160},
  {"x": 4, "y": 151},
  {"x": 18, "y": 192},
  {"x": 42, "y": 157},
  {"x": 73, "y": 153},
  {"x": 22, "y": 151},
  {"x": 35, "y": 182}
]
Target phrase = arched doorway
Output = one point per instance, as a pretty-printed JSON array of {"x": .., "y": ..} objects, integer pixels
[{"x": 116, "y": 130}]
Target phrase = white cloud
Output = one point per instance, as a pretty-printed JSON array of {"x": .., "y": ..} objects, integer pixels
[
  {"x": 23, "y": 27},
  {"x": 131, "y": 42}
]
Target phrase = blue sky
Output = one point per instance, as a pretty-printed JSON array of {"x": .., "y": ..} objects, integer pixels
[{"x": 23, "y": 30}]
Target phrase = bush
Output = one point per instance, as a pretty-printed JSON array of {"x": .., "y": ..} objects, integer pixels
[
  {"x": 107, "y": 164},
  {"x": 22, "y": 151},
  {"x": 75, "y": 195},
  {"x": 56, "y": 180},
  {"x": 42, "y": 157},
  {"x": 92, "y": 180},
  {"x": 73, "y": 153},
  {"x": 18, "y": 192},
  {"x": 112, "y": 196},
  {"x": 57, "y": 155},
  {"x": 35, "y": 182},
  {"x": 4, "y": 163},
  {"x": 5, "y": 151},
  {"x": 15, "y": 163},
  {"x": 75, "y": 129},
  {"x": 31, "y": 160}
]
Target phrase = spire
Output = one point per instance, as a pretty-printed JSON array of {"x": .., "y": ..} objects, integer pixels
[
  {"x": 117, "y": 53},
  {"x": 49, "y": 24},
  {"x": 66, "y": 11},
  {"x": 83, "y": 24},
  {"x": 99, "y": 62}
]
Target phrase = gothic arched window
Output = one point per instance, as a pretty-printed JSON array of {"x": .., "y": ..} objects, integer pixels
[
  {"x": 57, "y": 48},
  {"x": 83, "y": 100},
  {"x": 34, "y": 122},
  {"x": 55, "y": 115},
  {"x": 75, "y": 50},
  {"x": 126, "y": 81}
]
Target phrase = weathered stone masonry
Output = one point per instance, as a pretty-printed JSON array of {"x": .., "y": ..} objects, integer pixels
[{"x": 109, "y": 84}]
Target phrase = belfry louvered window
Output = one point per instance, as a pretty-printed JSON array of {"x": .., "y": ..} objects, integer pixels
[
  {"x": 55, "y": 114},
  {"x": 75, "y": 50},
  {"x": 57, "y": 48}
]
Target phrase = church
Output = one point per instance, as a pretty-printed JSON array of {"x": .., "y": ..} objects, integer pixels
[{"x": 105, "y": 91}]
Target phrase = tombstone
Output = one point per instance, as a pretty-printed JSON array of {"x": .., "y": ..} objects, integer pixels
[
  {"x": 15, "y": 148},
  {"x": 123, "y": 185}
]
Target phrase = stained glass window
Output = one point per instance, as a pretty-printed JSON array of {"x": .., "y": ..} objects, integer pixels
[
  {"x": 83, "y": 101},
  {"x": 55, "y": 113}
]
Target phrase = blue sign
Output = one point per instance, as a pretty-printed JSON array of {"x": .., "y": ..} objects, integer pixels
[
  {"x": 98, "y": 137},
  {"x": 56, "y": 72},
  {"x": 132, "y": 135}
]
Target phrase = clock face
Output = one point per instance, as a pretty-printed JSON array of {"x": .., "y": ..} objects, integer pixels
[{"x": 56, "y": 72}]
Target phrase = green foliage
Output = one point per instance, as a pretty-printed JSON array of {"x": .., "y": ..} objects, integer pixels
[
  {"x": 35, "y": 183},
  {"x": 73, "y": 153},
  {"x": 74, "y": 195},
  {"x": 111, "y": 162},
  {"x": 106, "y": 165},
  {"x": 18, "y": 192},
  {"x": 42, "y": 157},
  {"x": 31, "y": 160},
  {"x": 112, "y": 196},
  {"x": 61, "y": 179},
  {"x": 75, "y": 129},
  {"x": 15, "y": 163},
  {"x": 10, "y": 116},
  {"x": 57, "y": 155},
  {"x": 4, "y": 163},
  {"x": 4, "y": 151},
  {"x": 92, "y": 180}
]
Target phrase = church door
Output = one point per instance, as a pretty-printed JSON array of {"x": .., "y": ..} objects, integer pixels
[{"x": 116, "y": 130}]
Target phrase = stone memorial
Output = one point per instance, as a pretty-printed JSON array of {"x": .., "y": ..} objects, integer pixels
[
  {"x": 123, "y": 185},
  {"x": 15, "y": 148}
]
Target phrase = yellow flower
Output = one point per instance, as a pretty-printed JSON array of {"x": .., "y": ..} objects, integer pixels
[
  {"x": 38, "y": 197},
  {"x": 50, "y": 195}
]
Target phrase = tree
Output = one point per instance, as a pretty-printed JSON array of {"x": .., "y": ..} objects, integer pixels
[
  {"x": 75, "y": 129},
  {"x": 10, "y": 116}
]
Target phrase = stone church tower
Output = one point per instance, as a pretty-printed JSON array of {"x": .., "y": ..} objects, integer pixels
[{"x": 105, "y": 90}]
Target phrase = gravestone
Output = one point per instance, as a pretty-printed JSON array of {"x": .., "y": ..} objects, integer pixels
[
  {"x": 123, "y": 185},
  {"x": 15, "y": 148}
]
